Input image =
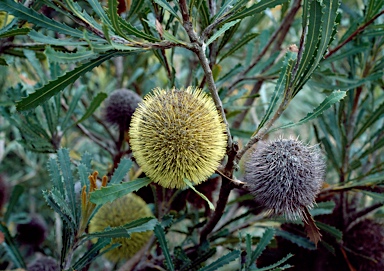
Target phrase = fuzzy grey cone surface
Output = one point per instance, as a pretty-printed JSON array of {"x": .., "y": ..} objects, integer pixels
[
  {"x": 120, "y": 106},
  {"x": 44, "y": 263},
  {"x": 284, "y": 175}
]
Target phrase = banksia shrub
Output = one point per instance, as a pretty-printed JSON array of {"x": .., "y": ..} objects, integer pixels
[
  {"x": 120, "y": 106},
  {"x": 44, "y": 263},
  {"x": 177, "y": 135},
  {"x": 118, "y": 213},
  {"x": 285, "y": 175}
]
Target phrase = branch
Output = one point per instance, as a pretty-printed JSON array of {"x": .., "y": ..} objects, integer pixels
[{"x": 354, "y": 34}]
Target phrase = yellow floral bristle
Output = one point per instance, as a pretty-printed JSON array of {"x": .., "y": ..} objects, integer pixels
[
  {"x": 118, "y": 213},
  {"x": 177, "y": 135}
]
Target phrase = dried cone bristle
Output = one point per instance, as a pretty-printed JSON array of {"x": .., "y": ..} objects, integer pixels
[
  {"x": 118, "y": 213},
  {"x": 120, "y": 106},
  {"x": 44, "y": 263},
  {"x": 177, "y": 135},
  {"x": 285, "y": 175}
]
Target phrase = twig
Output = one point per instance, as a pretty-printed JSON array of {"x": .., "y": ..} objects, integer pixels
[
  {"x": 354, "y": 219},
  {"x": 354, "y": 34},
  {"x": 280, "y": 30}
]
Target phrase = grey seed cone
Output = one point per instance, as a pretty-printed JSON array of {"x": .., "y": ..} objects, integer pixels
[
  {"x": 285, "y": 175},
  {"x": 120, "y": 106},
  {"x": 44, "y": 263}
]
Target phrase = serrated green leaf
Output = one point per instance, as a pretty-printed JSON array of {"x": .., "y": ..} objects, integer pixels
[
  {"x": 41, "y": 38},
  {"x": 323, "y": 208},
  {"x": 333, "y": 98},
  {"x": 243, "y": 41},
  {"x": 203, "y": 13},
  {"x": 17, "y": 191},
  {"x": 92, "y": 253},
  {"x": 98, "y": 9},
  {"x": 54, "y": 173},
  {"x": 64, "y": 57},
  {"x": 276, "y": 264},
  {"x": 264, "y": 241},
  {"x": 225, "y": 8},
  {"x": 223, "y": 260},
  {"x": 114, "y": 17},
  {"x": 279, "y": 88},
  {"x": 64, "y": 206},
  {"x": 376, "y": 115},
  {"x": 330, "y": 229},
  {"x": 312, "y": 31},
  {"x": 34, "y": 62},
  {"x": 110, "y": 193},
  {"x": 11, "y": 247},
  {"x": 53, "y": 87},
  {"x": 30, "y": 15},
  {"x": 165, "y": 5},
  {"x": 55, "y": 207},
  {"x": 95, "y": 103},
  {"x": 296, "y": 239},
  {"x": 131, "y": 30},
  {"x": 255, "y": 8},
  {"x": 69, "y": 182},
  {"x": 72, "y": 106},
  {"x": 190, "y": 185},
  {"x": 329, "y": 14},
  {"x": 15, "y": 32},
  {"x": 373, "y": 8},
  {"x": 224, "y": 28},
  {"x": 51, "y": 117},
  {"x": 136, "y": 7},
  {"x": 160, "y": 234},
  {"x": 121, "y": 170},
  {"x": 83, "y": 173},
  {"x": 139, "y": 225},
  {"x": 67, "y": 241}
]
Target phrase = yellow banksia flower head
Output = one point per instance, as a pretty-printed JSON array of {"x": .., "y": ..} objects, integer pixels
[
  {"x": 118, "y": 213},
  {"x": 177, "y": 135}
]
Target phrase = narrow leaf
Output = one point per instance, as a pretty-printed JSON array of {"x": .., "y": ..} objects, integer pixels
[
  {"x": 53, "y": 87},
  {"x": 375, "y": 116},
  {"x": 243, "y": 41},
  {"x": 11, "y": 248},
  {"x": 323, "y": 208},
  {"x": 15, "y": 32},
  {"x": 131, "y": 30},
  {"x": 92, "y": 253},
  {"x": 223, "y": 260},
  {"x": 110, "y": 193},
  {"x": 54, "y": 173},
  {"x": 65, "y": 165},
  {"x": 98, "y": 9},
  {"x": 279, "y": 89},
  {"x": 256, "y": 8},
  {"x": 164, "y": 4},
  {"x": 41, "y": 38},
  {"x": 63, "y": 57},
  {"x": 100, "y": 97},
  {"x": 187, "y": 182},
  {"x": 225, "y": 8},
  {"x": 224, "y": 28},
  {"x": 121, "y": 170},
  {"x": 17, "y": 191},
  {"x": 264, "y": 241},
  {"x": 276, "y": 264},
  {"x": 333, "y": 98},
  {"x": 296, "y": 239},
  {"x": 330, "y": 229},
  {"x": 160, "y": 234},
  {"x": 376, "y": 196},
  {"x": 30, "y": 15}
]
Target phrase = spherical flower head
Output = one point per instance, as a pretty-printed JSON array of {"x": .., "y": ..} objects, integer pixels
[
  {"x": 285, "y": 175},
  {"x": 177, "y": 135},
  {"x": 118, "y": 213},
  {"x": 33, "y": 232},
  {"x": 44, "y": 263},
  {"x": 120, "y": 106},
  {"x": 366, "y": 242}
]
